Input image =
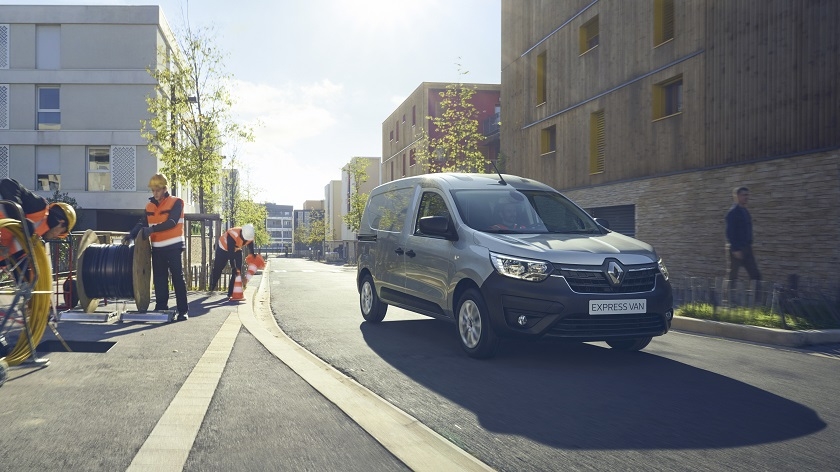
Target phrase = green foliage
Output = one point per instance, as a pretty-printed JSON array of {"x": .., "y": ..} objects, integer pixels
[
  {"x": 456, "y": 149},
  {"x": 65, "y": 198},
  {"x": 255, "y": 213},
  {"x": 190, "y": 119},
  {"x": 357, "y": 168},
  {"x": 759, "y": 316}
]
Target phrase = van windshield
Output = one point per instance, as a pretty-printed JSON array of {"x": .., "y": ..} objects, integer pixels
[{"x": 507, "y": 210}]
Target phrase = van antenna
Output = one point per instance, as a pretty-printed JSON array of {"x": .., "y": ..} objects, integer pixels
[{"x": 501, "y": 179}]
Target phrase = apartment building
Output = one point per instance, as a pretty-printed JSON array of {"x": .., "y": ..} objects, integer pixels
[
  {"x": 651, "y": 112},
  {"x": 73, "y": 87},
  {"x": 403, "y": 130},
  {"x": 279, "y": 225}
]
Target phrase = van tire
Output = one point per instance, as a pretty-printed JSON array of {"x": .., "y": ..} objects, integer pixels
[
  {"x": 630, "y": 344},
  {"x": 373, "y": 309},
  {"x": 473, "y": 325}
]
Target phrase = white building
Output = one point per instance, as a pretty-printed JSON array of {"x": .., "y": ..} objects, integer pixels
[{"x": 73, "y": 88}]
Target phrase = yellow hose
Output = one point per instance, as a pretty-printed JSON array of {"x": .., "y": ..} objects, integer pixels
[{"x": 37, "y": 310}]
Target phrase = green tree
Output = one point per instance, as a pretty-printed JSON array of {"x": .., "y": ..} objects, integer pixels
[
  {"x": 456, "y": 145},
  {"x": 357, "y": 169},
  {"x": 190, "y": 118}
]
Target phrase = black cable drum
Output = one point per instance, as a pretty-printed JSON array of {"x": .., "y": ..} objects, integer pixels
[{"x": 107, "y": 271}]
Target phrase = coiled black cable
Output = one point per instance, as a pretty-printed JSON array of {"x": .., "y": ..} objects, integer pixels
[{"x": 107, "y": 271}]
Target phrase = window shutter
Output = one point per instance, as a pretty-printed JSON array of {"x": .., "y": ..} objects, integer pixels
[
  {"x": 4, "y": 161},
  {"x": 597, "y": 143},
  {"x": 4, "y": 46},
  {"x": 123, "y": 168},
  {"x": 4, "y": 106}
]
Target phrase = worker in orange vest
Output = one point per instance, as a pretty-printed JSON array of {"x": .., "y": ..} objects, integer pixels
[
  {"x": 163, "y": 224},
  {"x": 229, "y": 250},
  {"x": 44, "y": 219}
]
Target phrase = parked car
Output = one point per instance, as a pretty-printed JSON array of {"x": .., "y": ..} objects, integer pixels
[{"x": 443, "y": 245}]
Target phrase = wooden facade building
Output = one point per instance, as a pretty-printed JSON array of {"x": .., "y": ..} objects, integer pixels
[{"x": 652, "y": 111}]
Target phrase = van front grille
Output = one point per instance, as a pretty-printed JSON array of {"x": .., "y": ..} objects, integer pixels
[
  {"x": 604, "y": 326},
  {"x": 594, "y": 280}
]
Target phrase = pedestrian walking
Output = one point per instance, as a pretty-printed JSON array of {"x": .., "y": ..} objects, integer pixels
[
  {"x": 229, "y": 251},
  {"x": 739, "y": 234},
  {"x": 163, "y": 224}
]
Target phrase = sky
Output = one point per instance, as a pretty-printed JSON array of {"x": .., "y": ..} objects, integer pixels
[{"x": 315, "y": 79}]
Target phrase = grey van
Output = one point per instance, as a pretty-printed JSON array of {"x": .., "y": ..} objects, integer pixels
[{"x": 505, "y": 256}]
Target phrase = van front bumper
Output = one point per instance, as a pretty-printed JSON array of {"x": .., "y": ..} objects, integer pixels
[{"x": 551, "y": 308}]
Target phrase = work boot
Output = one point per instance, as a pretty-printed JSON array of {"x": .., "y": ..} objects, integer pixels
[{"x": 183, "y": 317}]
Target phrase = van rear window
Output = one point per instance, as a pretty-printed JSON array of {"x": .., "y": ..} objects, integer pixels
[{"x": 387, "y": 211}]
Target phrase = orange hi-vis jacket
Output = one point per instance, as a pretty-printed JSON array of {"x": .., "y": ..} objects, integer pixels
[
  {"x": 156, "y": 214},
  {"x": 39, "y": 223},
  {"x": 236, "y": 234}
]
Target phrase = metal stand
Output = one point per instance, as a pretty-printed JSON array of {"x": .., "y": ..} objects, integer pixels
[{"x": 149, "y": 316}]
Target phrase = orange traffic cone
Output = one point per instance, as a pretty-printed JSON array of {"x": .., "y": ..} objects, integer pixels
[
  {"x": 237, "y": 295},
  {"x": 252, "y": 269}
]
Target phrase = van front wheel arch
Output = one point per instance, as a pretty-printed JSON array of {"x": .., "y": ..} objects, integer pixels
[
  {"x": 373, "y": 309},
  {"x": 474, "y": 328}
]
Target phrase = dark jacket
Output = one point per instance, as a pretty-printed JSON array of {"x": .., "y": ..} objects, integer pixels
[{"x": 738, "y": 228}]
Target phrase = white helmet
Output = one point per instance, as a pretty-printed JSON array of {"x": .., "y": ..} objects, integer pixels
[{"x": 248, "y": 232}]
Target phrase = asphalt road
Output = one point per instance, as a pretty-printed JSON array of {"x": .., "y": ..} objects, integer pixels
[{"x": 686, "y": 402}]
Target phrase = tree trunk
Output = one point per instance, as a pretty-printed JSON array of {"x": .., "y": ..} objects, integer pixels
[{"x": 203, "y": 270}]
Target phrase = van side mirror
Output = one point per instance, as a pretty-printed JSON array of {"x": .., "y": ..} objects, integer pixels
[
  {"x": 437, "y": 226},
  {"x": 604, "y": 223}
]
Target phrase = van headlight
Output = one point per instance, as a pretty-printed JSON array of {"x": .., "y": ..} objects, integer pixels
[
  {"x": 518, "y": 268},
  {"x": 663, "y": 269}
]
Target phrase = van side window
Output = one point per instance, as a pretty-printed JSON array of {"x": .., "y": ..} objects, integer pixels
[
  {"x": 387, "y": 210},
  {"x": 431, "y": 204}
]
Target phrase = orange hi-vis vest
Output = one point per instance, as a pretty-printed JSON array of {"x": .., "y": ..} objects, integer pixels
[
  {"x": 39, "y": 222},
  {"x": 236, "y": 233},
  {"x": 157, "y": 214}
]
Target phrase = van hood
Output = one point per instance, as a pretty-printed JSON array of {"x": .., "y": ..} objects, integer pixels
[{"x": 579, "y": 249}]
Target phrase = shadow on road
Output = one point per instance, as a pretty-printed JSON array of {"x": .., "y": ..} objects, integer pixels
[{"x": 589, "y": 396}]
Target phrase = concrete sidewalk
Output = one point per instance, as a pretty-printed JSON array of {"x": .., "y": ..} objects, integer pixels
[{"x": 204, "y": 394}]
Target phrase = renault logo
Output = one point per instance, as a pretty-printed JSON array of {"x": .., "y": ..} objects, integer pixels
[{"x": 615, "y": 273}]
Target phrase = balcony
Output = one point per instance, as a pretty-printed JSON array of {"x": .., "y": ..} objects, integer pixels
[{"x": 492, "y": 124}]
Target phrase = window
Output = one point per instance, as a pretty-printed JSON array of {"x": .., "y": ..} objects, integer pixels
[
  {"x": 397, "y": 126},
  {"x": 49, "y": 111},
  {"x": 392, "y": 135},
  {"x": 589, "y": 33},
  {"x": 541, "y": 78},
  {"x": 431, "y": 204},
  {"x": 412, "y": 158},
  {"x": 667, "y": 98},
  {"x": 548, "y": 140},
  {"x": 597, "y": 142},
  {"x": 48, "y": 47},
  {"x": 99, "y": 168},
  {"x": 48, "y": 168},
  {"x": 663, "y": 21},
  {"x": 403, "y": 165},
  {"x": 413, "y": 115}
]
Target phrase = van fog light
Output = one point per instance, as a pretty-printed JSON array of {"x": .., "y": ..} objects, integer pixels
[
  {"x": 669, "y": 315},
  {"x": 522, "y": 320}
]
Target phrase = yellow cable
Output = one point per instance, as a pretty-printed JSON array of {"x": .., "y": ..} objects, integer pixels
[{"x": 38, "y": 309}]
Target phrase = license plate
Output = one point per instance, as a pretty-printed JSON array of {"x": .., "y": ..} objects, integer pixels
[{"x": 617, "y": 307}]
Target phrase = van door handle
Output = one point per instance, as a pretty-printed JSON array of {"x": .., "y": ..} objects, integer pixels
[
  {"x": 399, "y": 251},
  {"x": 410, "y": 253}
]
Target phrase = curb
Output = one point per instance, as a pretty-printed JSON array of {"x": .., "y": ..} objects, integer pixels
[{"x": 758, "y": 334}]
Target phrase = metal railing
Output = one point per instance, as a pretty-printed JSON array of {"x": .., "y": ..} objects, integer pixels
[{"x": 820, "y": 306}]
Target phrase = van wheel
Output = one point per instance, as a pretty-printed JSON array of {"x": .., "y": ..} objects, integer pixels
[
  {"x": 630, "y": 344},
  {"x": 373, "y": 310},
  {"x": 474, "y": 328}
]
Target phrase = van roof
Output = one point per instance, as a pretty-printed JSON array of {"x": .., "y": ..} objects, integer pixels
[{"x": 460, "y": 181}]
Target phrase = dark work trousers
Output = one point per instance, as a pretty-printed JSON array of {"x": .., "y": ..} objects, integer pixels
[
  {"x": 222, "y": 259},
  {"x": 165, "y": 262},
  {"x": 747, "y": 261}
]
